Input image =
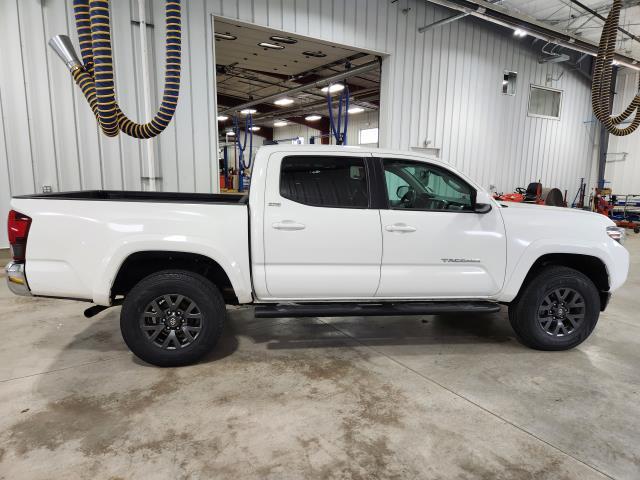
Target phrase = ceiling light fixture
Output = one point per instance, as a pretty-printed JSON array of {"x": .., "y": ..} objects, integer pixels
[
  {"x": 312, "y": 118},
  {"x": 255, "y": 128},
  {"x": 353, "y": 110},
  {"x": 280, "y": 123},
  {"x": 281, "y": 39},
  {"x": 336, "y": 87},
  {"x": 225, "y": 36},
  {"x": 231, "y": 133},
  {"x": 248, "y": 111},
  {"x": 518, "y": 32},
  {"x": 272, "y": 46},
  {"x": 222, "y": 118},
  {"x": 317, "y": 54},
  {"x": 284, "y": 101}
]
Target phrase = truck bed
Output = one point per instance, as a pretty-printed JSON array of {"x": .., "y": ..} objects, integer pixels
[
  {"x": 78, "y": 240},
  {"x": 134, "y": 196}
]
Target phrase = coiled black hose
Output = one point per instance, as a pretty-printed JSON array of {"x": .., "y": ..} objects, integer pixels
[
  {"x": 602, "y": 80},
  {"x": 95, "y": 77}
]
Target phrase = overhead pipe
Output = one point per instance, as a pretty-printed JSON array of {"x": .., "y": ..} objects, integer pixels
[
  {"x": 500, "y": 16},
  {"x": 444, "y": 21},
  {"x": 596, "y": 14},
  {"x": 367, "y": 67}
]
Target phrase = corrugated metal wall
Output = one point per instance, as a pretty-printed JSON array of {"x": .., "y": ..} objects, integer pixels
[
  {"x": 442, "y": 86},
  {"x": 623, "y": 171}
]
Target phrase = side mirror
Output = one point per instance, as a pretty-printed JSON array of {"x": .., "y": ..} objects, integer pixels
[
  {"x": 402, "y": 190},
  {"x": 482, "y": 207}
]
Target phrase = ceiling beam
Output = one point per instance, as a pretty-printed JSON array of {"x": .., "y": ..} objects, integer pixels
[
  {"x": 367, "y": 67},
  {"x": 505, "y": 17}
]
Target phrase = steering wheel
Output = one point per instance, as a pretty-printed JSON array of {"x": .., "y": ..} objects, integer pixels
[
  {"x": 408, "y": 198},
  {"x": 520, "y": 190}
]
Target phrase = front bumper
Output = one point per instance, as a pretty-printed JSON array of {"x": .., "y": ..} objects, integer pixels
[{"x": 16, "y": 279}]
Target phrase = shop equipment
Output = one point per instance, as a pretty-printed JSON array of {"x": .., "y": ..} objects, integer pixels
[
  {"x": 602, "y": 90},
  {"x": 337, "y": 128},
  {"x": 94, "y": 75},
  {"x": 241, "y": 148},
  {"x": 626, "y": 211},
  {"x": 534, "y": 193}
]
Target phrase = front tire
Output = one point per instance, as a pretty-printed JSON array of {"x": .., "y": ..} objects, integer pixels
[
  {"x": 557, "y": 310},
  {"x": 172, "y": 318}
]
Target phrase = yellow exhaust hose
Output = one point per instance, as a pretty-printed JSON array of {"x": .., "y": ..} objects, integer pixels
[
  {"x": 602, "y": 80},
  {"x": 95, "y": 77}
]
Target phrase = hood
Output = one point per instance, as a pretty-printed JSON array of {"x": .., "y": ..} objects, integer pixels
[{"x": 543, "y": 216}]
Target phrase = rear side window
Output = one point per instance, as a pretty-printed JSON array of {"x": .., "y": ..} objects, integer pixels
[{"x": 324, "y": 181}]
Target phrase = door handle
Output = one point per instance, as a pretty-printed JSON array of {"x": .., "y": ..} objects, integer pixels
[
  {"x": 288, "y": 225},
  {"x": 400, "y": 227}
]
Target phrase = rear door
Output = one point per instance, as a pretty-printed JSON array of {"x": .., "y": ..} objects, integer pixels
[{"x": 322, "y": 236}]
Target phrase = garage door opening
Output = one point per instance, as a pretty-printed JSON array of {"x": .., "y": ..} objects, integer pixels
[{"x": 277, "y": 87}]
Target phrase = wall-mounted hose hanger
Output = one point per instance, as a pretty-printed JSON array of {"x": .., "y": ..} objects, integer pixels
[
  {"x": 94, "y": 75},
  {"x": 337, "y": 130},
  {"x": 601, "y": 89}
]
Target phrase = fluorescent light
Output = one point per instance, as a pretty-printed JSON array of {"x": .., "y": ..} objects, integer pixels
[
  {"x": 284, "y": 101},
  {"x": 222, "y": 118},
  {"x": 356, "y": 110},
  {"x": 518, "y": 32},
  {"x": 312, "y": 118},
  {"x": 280, "y": 123},
  {"x": 231, "y": 133},
  {"x": 255, "y": 128},
  {"x": 281, "y": 39},
  {"x": 247, "y": 111},
  {"x": 317, "y": 54},
  {"x": 225, "y": 36},
  {"x": 336, "y": 87},
  {"x": 272, "y": 46}
]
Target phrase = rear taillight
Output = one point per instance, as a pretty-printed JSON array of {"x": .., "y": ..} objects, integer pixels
[{"x": 18, "y": 225}]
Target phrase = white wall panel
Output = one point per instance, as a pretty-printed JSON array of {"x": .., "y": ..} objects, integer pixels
[
  {"x": 441, "y": 87},
  {"x": 624, "y": 174}
]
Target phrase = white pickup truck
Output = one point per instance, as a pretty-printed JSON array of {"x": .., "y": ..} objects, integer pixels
[{"x": 324, "y": 231}]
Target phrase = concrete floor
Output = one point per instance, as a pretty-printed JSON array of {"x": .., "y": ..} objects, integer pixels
[{"x": 401, "y": 397}]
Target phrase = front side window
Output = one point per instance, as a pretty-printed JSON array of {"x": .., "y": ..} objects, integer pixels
[
  {"x": 325, "y": 181},
  {"x": 421, "y": 186}
]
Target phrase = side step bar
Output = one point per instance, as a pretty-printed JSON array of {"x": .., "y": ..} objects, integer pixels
[{"x": 372, "y": 309}]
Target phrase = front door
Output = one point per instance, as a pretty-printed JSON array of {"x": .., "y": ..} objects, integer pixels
[
  {"x": 322, "y": 239},
  {"x": 435, "y": 245}
]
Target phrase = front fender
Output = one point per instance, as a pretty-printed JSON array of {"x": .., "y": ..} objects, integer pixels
[{"x": 613, "y": 255}]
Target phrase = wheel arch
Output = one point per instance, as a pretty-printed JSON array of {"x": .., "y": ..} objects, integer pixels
[
  {"x": 591, "y": 266},
  {"x": 141, "y": 264}
]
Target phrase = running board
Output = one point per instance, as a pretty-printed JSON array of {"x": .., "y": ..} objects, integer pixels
[{"x": 372, "y": 309}]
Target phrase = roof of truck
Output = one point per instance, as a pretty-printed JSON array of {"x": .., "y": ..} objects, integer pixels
[{"x": 342, "y": 148}]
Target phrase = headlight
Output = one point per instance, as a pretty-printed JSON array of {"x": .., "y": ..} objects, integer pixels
[{"x": 617, "y": 233}]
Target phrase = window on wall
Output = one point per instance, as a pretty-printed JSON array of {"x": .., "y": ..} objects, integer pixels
[
  {"x": 545, "y": 102},
  {"x": 509, "y": 80},
  {"x": 322, "y": 181},
  {"x": 368, "y": 135}
]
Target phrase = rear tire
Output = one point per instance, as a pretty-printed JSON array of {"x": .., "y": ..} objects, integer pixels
[
  {"x": 557, "y": 310},
  {"x": 172, "y": 318}
]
